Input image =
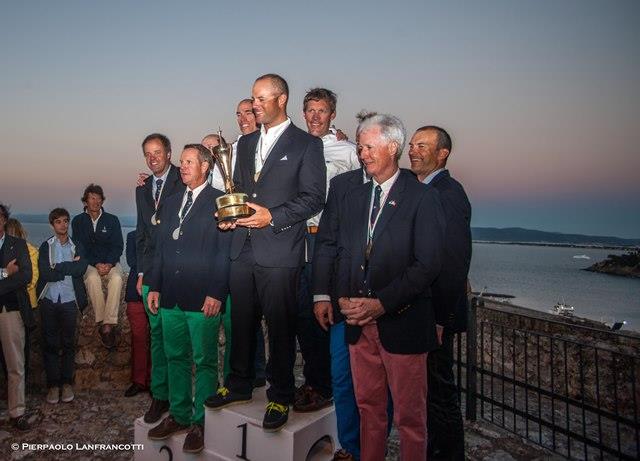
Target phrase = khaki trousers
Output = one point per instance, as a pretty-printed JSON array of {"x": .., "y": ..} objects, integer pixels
[
  {"x": 12, "y": 337},
  {"x": 106, "y": 311}
]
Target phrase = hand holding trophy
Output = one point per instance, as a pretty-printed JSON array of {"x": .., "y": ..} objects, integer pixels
[{"x": 232, "y": 205}]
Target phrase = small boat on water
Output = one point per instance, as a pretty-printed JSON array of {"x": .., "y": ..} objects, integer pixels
[
  {"x": 581, "y": 257},
  {"x": 562, "y": 308}
]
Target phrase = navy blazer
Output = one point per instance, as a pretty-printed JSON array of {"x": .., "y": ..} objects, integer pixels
[
  {"x": 15, "y": 248},
  {"x": 292, "y": 185},
  {"x": 326, "y": 246},
  {"x": 145, "y": 205},
  {"x": 450, "y": 288},
  {"x": 104, "y": 245},
  {"x": 187, "y": 270},
  {"x": 405, "y": 259}
]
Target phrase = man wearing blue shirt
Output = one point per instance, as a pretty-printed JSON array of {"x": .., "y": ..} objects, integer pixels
[{"x": 61, "y": 265}]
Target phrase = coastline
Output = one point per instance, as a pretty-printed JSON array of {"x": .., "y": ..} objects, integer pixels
[{"x": 559, "y": 245}]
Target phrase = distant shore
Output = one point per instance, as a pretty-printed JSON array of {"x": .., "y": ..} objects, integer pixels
[{"x": 559, "y": 245}]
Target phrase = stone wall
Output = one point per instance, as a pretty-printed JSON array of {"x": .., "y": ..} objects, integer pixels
[{"x": 96, "y": 366}]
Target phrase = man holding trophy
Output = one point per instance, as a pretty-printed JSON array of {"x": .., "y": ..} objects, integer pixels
[{"x": 281, "y": 170}]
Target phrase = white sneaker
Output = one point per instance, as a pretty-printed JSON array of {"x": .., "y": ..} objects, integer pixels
[
  {"x": 53, "y": 396},
  {"x": 67, "y": 393}
]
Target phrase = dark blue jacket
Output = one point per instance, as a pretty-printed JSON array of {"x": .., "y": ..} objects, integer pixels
[
  {"x": 131, "y": 294},
  {"x": 326, "y": 248},
  {"x": 450, "y": 288},
  {"x": 196, "y": 265},
  {"x": 405, "y": 259},
  {"x": 75, "y": 269},
  {"x": 105, "y": 245}
]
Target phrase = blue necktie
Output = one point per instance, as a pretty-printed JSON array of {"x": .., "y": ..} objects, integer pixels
[
  {"x": 187, "y": 205},
  {"x": 376, "y": 206},
  {"x": 158, "y": 189}
]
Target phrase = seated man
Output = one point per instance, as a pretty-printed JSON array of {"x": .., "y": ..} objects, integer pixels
[
  {"x": 15, "y": 314},
  {"x": 100, "y": 234}
]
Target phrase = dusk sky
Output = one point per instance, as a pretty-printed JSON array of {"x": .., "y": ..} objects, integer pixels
[{"x": 542, "y": 98}]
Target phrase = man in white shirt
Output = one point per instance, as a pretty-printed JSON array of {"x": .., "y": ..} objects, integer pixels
[{"x": 319, "y": 110}]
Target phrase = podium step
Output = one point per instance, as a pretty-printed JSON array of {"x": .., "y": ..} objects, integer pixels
[{"x": 236, "y": 433}]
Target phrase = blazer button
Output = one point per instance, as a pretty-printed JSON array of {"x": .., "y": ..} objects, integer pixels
[
  {"x": 361, "y": 268},
  {"x": 254, "y": 195},
  {"x": 359, "y": 292},
  {"x": 177, "y": 272},
  {"x": 181, "y": 232}
]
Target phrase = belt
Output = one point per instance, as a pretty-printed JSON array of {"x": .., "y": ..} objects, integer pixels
[{"x": 312, "y": 229}]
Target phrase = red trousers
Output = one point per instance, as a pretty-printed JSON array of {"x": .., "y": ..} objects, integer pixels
[
  {"x": 140, "y": 355},
  {"x": 375, "y": 371}
]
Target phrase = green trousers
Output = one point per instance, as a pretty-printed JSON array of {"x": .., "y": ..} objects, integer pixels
[
  {"x": 159, "y": 381},
  {"x": 190, "y": 338}
]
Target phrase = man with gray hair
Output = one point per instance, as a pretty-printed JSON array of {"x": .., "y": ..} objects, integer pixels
[
  {"x": 188, "y": 283},
  {"x": 389, "y": 254}
]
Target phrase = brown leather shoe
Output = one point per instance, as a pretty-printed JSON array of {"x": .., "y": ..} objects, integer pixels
[
  {"x": 343, "y": 455},
  {"x": 21, "y": 423},
  {"x": 312, "y": 400},
  {"x": 194, "y": 442},
  {"x": 166, "y": 429},
  {"x": 156, "y": 410},
  {"x": 301, "y": 393},
  {"x": 108, "y": 338}
]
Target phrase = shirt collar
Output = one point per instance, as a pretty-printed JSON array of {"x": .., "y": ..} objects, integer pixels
[
  {"x": 275, "y": 131},
  {"x": 196, "y": 191},
  {"x": 163, "y": 177},
  {"x": 97, "y": 219},
  {"x": 2, "y": 239},
  {"x": 432, "y": 175},
  {"x": 386, "y": 186}
]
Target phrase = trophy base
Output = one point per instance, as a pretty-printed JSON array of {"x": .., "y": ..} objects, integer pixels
[
  {"x": 227, "y": 200},
  {"x": 232, "y": 212}
]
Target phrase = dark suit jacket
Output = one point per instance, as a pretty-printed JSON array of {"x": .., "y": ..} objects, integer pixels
[
  {"x": 450, "y": 288},
  {"x": 75, "y": 269},
  {"x": 195, "y": 266},
  {"x": 15, "y": 248},
  {"x": 104, "y": 245},
  {"x": 326, "y": 246},
  {"x": 145, "y": 231},
  {"x": 292, "y": 185},
  {"x": 405, "y": 259}
]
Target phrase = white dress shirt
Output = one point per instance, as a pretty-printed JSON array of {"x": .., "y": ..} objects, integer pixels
[{"x": 266, "y": 142}]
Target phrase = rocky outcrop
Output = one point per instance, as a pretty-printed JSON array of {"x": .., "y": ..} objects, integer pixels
[{"x": 626, "y": 265}]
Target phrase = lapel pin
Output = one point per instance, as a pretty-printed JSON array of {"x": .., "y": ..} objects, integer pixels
[{"x": 392, "y": 202}]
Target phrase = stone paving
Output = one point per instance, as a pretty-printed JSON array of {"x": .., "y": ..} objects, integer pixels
[{"x": 106, "y": 417}]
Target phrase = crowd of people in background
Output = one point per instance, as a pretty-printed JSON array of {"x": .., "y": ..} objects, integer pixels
[{"x": 361, "y": 263}]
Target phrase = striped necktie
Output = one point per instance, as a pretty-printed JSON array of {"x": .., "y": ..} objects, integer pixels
[
  {"x": 187, "y": 205},
  {"x": 158, "y": 189}
]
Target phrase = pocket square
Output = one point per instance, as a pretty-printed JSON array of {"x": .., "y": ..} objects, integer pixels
[{"x": 283, "y": 158}]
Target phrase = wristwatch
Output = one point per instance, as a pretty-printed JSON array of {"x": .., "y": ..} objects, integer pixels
[{"x": 3, "y": 274}]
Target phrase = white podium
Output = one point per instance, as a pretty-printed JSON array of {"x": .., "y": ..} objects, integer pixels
[{"x": 235, "y": 433}]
